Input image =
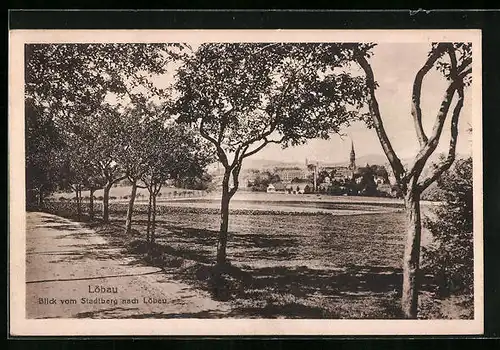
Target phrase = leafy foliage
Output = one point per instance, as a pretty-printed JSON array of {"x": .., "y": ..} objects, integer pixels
[
  {"x": 460, "y": 53},
  {"x": 173, "y": 152},
  {"x": 450, "y": 256},
  {"x": 263, "y": 179},
  {"x": 101, "y": 99},
  {"x": 367, "y": 185},
  {"x": 81, "y": 75},
  {"x": 243, "y": 93},
  {"x": 43, "y": 161},
  {"x": 71, "y": 84}
]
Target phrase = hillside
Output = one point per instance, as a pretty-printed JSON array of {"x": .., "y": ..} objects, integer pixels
[{"x": 257, "y": 163}]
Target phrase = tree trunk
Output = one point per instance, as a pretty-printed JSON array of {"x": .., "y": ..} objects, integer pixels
[
  {"x": 153, "y": 219},
  {"x": 224, "y": 223},
  {"x": 128, "y": 222},
  {"x": 149, "y": 218},
  {"x": 315, "y": 178},
  {"x": 91, "y": 204},
  {"x": 105, "y": 203},
  {"x": 411, "y": 259},
  {"x": 40, "y": 197},
  {"x": 78, "y": 204}
]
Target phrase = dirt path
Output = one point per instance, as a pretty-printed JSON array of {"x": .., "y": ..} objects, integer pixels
[{"x": 66, "y": 263}]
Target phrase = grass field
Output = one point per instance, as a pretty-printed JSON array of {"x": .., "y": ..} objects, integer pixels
[
  {"x": 316, "y": 266},
  {"x": 341, "y": 261}
]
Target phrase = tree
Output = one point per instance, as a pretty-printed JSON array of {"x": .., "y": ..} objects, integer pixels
[
  {"x": 454, "y": 61},
  {"x": 74, "y": 172},
  {"x": 261, "y": 181},
  {"x": 367, "y": 185},
  {"x": 95, "y": 144},
  {"x": 313, "y": 177},
  {"x": 450, "y": 256},
  {"x": 93, "y": 182},
  {"x": 381, "y": 171},
  {"x": 137, "y": 151},
  {"x": 201, "y": 182},
  {"x": 242, "y": 97},
  {"x": 322, "y": 176},
  {"x": 93, "y": 148},
  {"x": 274, "y": 178},
  {"x": 43, "y": 159},
  {"x": 80, "y": 76},
  {"x": 175, "y": 152},
  {"x": 80, "y": 171},
  {"x": 74, "y": 83}
]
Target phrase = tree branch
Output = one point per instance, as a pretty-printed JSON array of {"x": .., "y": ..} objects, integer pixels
[
  {"x": 220, "y": 151},
  {"x": 244, "y": 146},
  {"x": 266, "y": 46},
  {"x": 255, "y": 150},
  {"x": 432, "y": 143},
  {"x": 224, "y": 123},
  {"x": 118, "y": 179},
  {"x": 236, "y": 182},
  {"x": 440, "y": 169},
  {"x": 463, "y": 74},
  {"x": 430, "y": 146},
  {"x": 157, "y": 188},
  {"x": 465, "y": 63},
  {"x": 395, "y": 162},
  {"x": 453, "y": 59},
  {"x": 416, "y": 111},
  {"x": 273, "y": 121}
]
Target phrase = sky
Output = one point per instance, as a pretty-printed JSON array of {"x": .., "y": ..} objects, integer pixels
[{"x": 394, "y": 67}]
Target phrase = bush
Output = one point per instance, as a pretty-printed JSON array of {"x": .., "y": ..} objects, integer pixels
[
  {"x": 100, "y": 198},
  {"x": 112, "y": 197},
  {"x": 62, "y": 198},
  {"x": 450, "y": 256},
  {"x": 396, "y": 191},
  {"x": 432, "y": 193}
]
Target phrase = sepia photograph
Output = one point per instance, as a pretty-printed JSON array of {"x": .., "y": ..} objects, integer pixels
[{"x": 245, "y": 182}]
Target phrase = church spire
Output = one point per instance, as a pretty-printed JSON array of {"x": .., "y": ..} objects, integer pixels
[{"x": 352, "y": 158}]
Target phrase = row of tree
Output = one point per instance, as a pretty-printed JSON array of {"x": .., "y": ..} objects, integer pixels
[
  {"x": 93, "y": 120},
  {"x": 239, "y": 98}
]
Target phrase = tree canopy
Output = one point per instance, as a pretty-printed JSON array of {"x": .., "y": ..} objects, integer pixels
[{"x": 244, "y": 96}]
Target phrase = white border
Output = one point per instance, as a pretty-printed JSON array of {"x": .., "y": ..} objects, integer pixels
[{"x": 19, "y": 325}]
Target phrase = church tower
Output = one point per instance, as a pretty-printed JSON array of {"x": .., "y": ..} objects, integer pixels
[{"x": 352, "y": 158}]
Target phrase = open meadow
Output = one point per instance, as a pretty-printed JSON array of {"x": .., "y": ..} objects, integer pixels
[{"x": 292, "y": 256}]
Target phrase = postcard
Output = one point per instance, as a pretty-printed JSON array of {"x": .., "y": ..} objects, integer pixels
[{"x": 245, "y": 182}]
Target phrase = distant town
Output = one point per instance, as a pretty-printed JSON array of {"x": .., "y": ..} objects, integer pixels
[{"x": 318, "y": 177}]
